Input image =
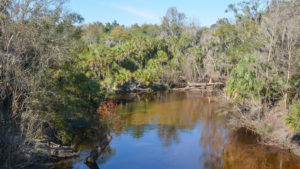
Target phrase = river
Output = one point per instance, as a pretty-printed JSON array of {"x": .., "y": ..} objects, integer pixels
[{"x": 181, "y": 130}]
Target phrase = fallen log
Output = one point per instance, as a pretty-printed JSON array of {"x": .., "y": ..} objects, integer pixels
[{"x": 206, "y": 84}]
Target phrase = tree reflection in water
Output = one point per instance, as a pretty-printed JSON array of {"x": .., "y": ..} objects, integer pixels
[
  {"x": 242, "y": 149},
  {"x": 212, "y": 138},
  {"x": 192, "y": 134},
  {"x": 174, "y": 112},
  {"x": 168, "y": 134}
]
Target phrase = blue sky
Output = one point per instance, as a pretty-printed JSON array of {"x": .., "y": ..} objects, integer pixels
[{"x": 129, "y": 12}]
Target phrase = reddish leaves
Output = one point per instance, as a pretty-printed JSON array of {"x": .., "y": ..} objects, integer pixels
[{"x": 108, "y": 115}]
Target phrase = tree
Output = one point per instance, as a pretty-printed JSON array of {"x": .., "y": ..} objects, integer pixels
[
  {"x": 36, "y": 38},
  {"x": 173, "y": 22}
]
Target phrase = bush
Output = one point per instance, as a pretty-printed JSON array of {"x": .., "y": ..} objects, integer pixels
[
  {"x": 150, "y": 74},
  {"x": 293, "y": 119},
  {"x": 243, "y": 85}
]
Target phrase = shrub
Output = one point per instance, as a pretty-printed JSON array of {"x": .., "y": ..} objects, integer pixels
[
  {"x": 150, "y": 74},
  {"x": 243, "y": 85},
  {"x": 108, "y": 116},
  {"x": 293, "y": 119}
]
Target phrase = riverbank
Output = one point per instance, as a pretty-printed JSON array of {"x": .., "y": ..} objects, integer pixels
[
  {"x": 184, "y": 86},
  {"x": 269, "y": 127},
  {"x": 46, "y": 153},
  {"x": 155, "y": 126},
  {"x": 269, "y": 124}
]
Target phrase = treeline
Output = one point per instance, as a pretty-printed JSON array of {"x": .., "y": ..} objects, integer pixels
[
  {"x": 263, "y": 39},
  {"x": 55, "y": 73},
  {"x": 173, "y": 53},
  {"x": 146, "y": 55},
  {"x": 256, "y": 53}
]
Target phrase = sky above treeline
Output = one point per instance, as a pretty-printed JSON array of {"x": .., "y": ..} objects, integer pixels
[{"x": 129, "y": 12}]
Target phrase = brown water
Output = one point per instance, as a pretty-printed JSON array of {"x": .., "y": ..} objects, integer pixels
[{"x": 182, "y": 130}]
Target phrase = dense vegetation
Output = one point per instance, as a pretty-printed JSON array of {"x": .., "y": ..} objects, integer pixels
[
  {"x": 44, "y": 93},
  {"x": 146, "y": 55},
  {"x": 55, "y": 73}
]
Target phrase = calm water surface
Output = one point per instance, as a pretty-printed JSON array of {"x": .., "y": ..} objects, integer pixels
[{"x": 182, "y": 130}]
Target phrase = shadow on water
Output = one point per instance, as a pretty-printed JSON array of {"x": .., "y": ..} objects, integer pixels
[
  {"x": 180, "y": 130},
  {"x": 242, "y": 149}
]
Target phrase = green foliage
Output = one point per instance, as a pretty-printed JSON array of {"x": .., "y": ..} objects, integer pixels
[
  {"x": 293, "y": 120},
  {"x": 244, "y": 85},
  {"x": 186, "y": 41},
  {"x": 122, "y": 76},
  {"x": 69, "y": 100},
  {"x": 138, "y": 57},
  {"x": 150, "y": 74},
  {"x": 47, "y": 93},
  {"x": 162, "y": 56},
  {"x": 129, "y": 64}
]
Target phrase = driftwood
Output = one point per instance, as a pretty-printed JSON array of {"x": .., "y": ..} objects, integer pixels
[
  {"x": 207, "y": 87},
  {"x": 204, "y": 85}
]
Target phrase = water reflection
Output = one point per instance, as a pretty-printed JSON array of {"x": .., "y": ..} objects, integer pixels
[
  {"x": 184, "y": 129},
  {"x": 242, "y": 150},
  {"x": 172, "y": 130},
  {"x": 168, "y": 114}
]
